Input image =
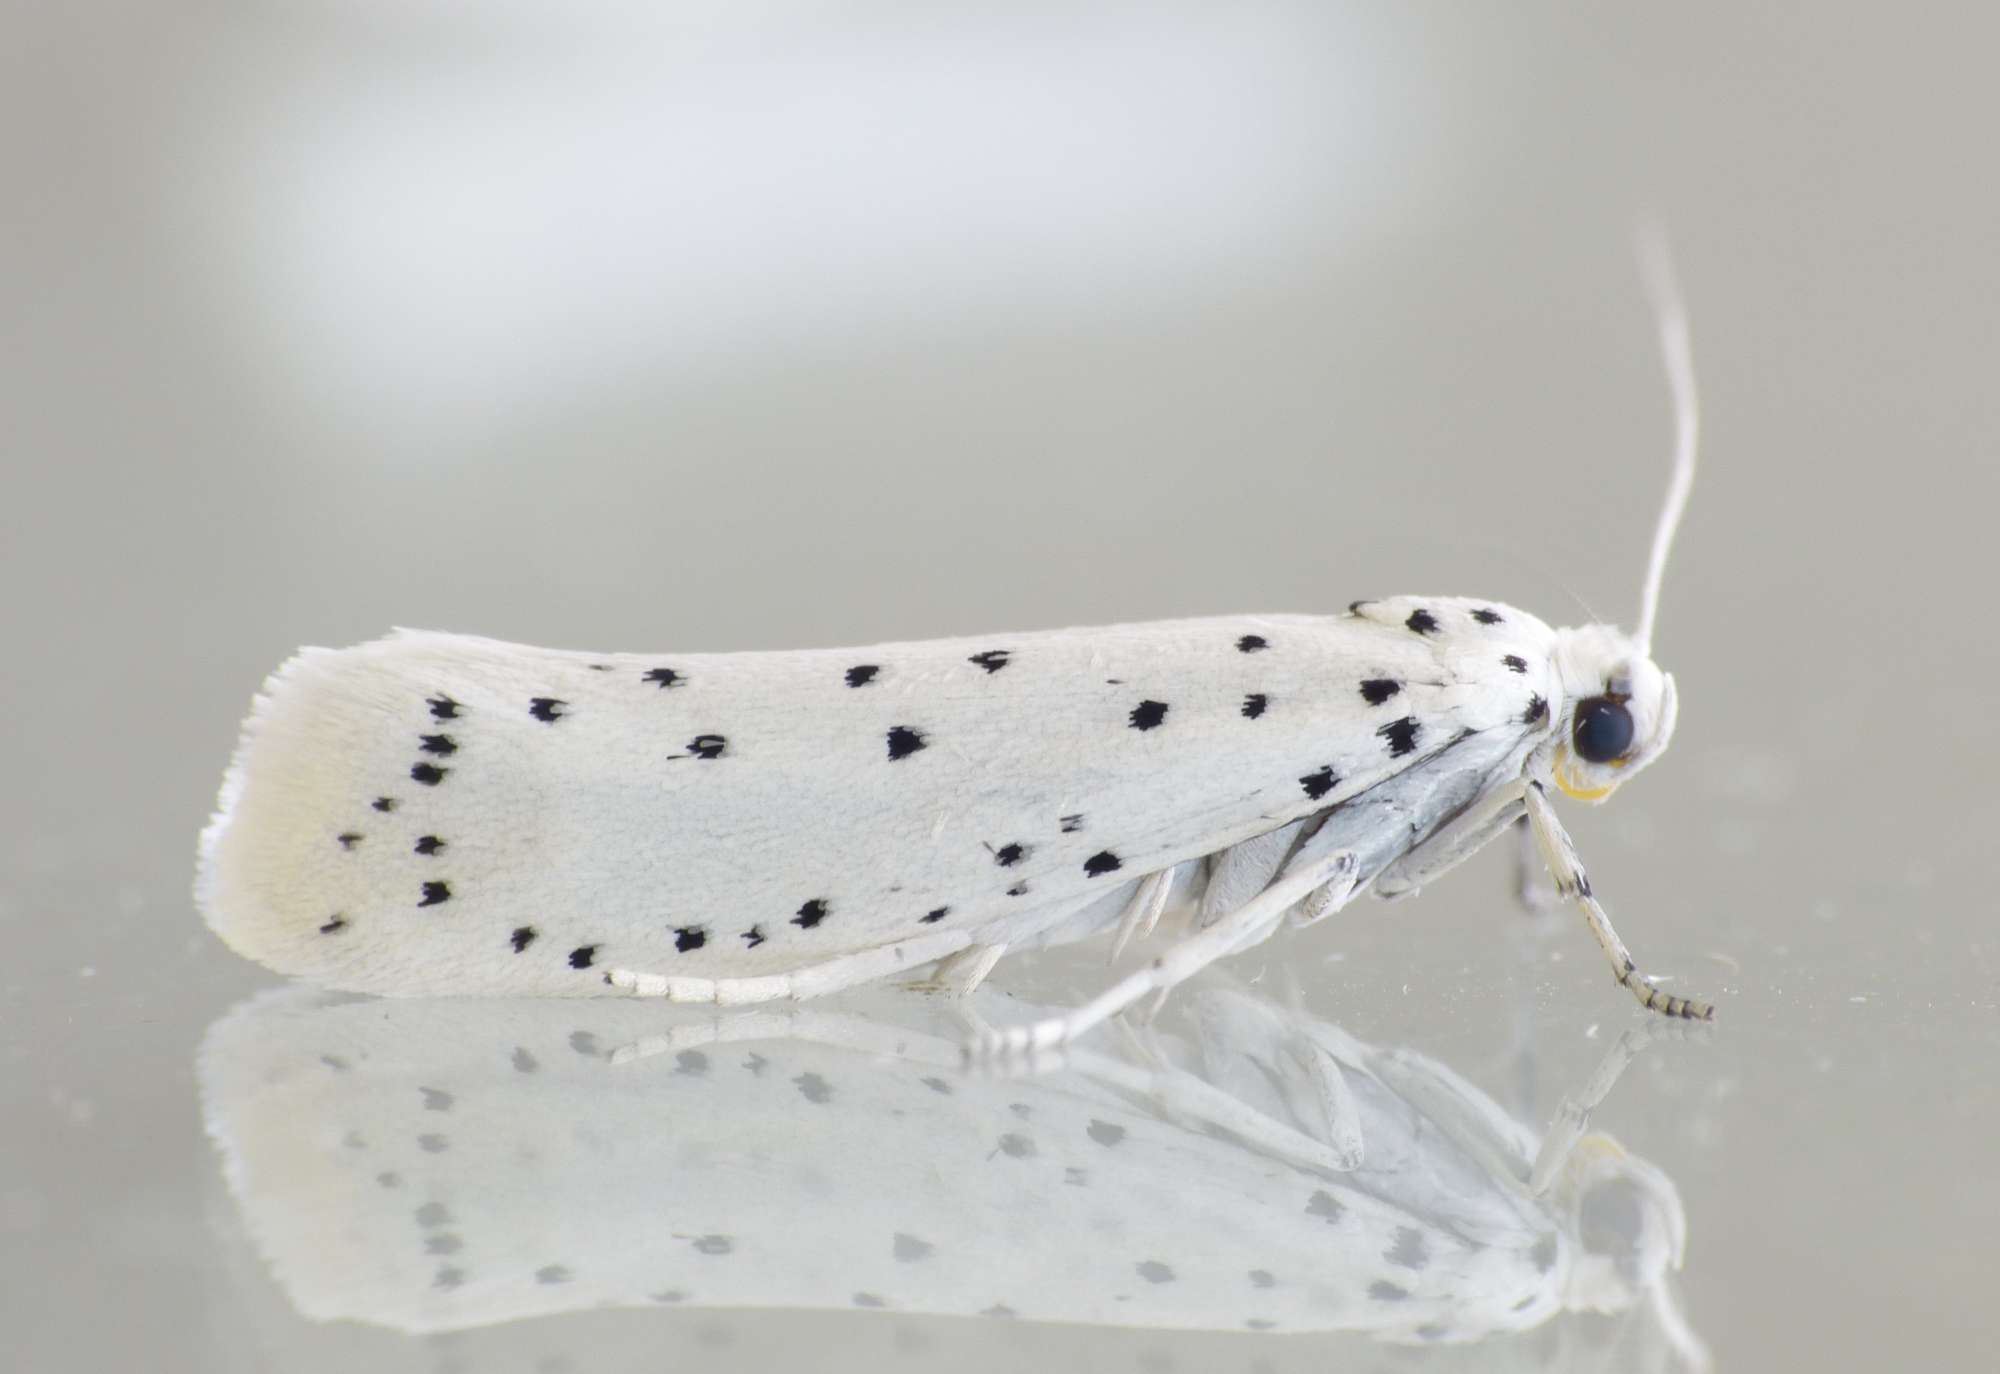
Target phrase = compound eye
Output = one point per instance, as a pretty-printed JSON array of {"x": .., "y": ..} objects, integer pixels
[{"x": 1603, "y": 730}]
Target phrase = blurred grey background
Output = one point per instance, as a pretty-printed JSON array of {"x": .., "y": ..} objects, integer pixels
[{"x": 714, "y": 326}]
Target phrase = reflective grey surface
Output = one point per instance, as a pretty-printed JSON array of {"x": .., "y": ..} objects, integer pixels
[{"x": 770, "y": 325}]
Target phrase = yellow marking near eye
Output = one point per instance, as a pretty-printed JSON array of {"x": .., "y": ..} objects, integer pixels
[{"x": 1571, "y": 789}]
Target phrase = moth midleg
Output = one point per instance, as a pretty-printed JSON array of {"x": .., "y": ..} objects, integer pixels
[
  {"x": 1248, "y": 923},
  {"x": 1559, "y": 853},
  {"x": 1142, "y": 913},
  {"x": 959, "y": 974}
]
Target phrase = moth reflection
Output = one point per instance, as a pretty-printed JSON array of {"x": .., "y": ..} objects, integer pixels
[{"x": 438, "y": 1166}]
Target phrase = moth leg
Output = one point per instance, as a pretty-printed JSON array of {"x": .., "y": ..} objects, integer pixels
[
  {"x": 1571, "y": 881},
  {"x": 1249, "y": 922},
  {"x": 958, "y": 974},
  {"x": 1142, "y": 913},
  {"x": 1528, "y": 890},
  {"x": 815, "y": 980}
]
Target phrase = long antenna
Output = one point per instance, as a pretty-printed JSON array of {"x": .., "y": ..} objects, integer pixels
[{"x": 1670, "y": 314}]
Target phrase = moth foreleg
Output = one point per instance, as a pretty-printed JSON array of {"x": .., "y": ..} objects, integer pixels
[
  {"x": 1180, "y": 962},
  {"x": 1560, "y": 855}
]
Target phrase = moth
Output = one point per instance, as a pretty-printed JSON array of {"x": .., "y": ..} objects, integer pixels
[
  {"x": 490, "y": 1162},
  {"x": 444, "y": 814}
]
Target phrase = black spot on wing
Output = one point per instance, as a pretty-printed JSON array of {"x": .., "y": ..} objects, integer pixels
[
  {"x": 1019, "y": 889},
  {"x": 333, "y": 925},
  {"x": 1516, "y": 663},
  {"x": 934, "y": 916},
  {"x": 1148, "y": 714},
  {"x": 1254, "y": 704},
  {"x": 442, "y": 707},
  {"x": 1318, "y": 784},
  {"x": 444, "y": 746},
  {"x": 384, "y": 804},
  {"x": 582, "y": 956},
  {"x": 1007, "y": 855},
  {"x": 1537, "y": 708},
  {"x": 753, "y": 937},
  {"x": 348, "y": 839},
  {"x": 904, "y": 741},
  {"x": 664, "y": 678},
  {"x": 1101, "y": 863},
  {"x": 1486, "y": 617},
  {"x": 689, "y": 938},
  {"x": 992, "y": 660},
  {"x": 1401, "y": 735},
  {"x": 861, "y": 674},
  {"x": 1376, "y": 690},
  {"x": 429, "y": 844},
  {"x": 522, "y": 937},
  {"x": 708, "y": 746},
  {"x": 429, "y": 774},
  {"x": 1422, "y": 621},
  {"x": 1072, "y": 824},
  {"x": 436, "y": 894},
  {"x": 811, "y": 914},
  {"x": 1250, "y": 644},
  {"x": 546, "y": 708}
]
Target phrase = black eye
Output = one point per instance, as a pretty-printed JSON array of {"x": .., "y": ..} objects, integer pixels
[{"x": 1603, "y": 730}]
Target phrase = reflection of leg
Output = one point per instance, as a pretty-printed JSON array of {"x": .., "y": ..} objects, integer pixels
[
  {"x": 1573, "y": 1114},
  {"x": 1564, "y": 866},
  {"x": 1247, "y": 924}
]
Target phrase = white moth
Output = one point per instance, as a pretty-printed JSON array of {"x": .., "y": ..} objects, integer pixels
[
  {"x": 443, "y": 814},
  {"x": 449, "y": 1165}
]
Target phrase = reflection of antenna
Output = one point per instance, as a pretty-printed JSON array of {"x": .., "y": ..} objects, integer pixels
[{"x": 1656, "y": 263}]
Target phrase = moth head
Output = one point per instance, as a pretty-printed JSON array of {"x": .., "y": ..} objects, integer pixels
[{"x": 1617, "y": 712}]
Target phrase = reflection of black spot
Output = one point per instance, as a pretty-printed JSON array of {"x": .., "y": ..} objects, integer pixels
[
  {"x": 1106, "y": 1133},
  {"x": 1250, "y": 644},
  {"x": 384, "y": 803},
  {"x": 811, "y": 914},
  {"x": 868, "y": 1300},
  {"x": 689, "y": 937},
  {"x": 1101, "y": 863},
  {"x": 582, "y": 955},
  {"x": 903, "y": 742},
  {"x": 1516, "y": 662},
  {"x": 1260, "y": 1324},
  {"x": 552, "y": 1273},
  {"x": 584, "y": 1043},
  {"x": 707, "y": 746},
  {"x": 1411, "y": 1250},
  {"x": 432, "y": 1214},
  {"x": 1263, "y": 1278},
  {"x": 665, "y": 677},
  {"x": 442, "y": 707},
  {"x": 348, "y": 839},
  {"x": 1326, "y": 1205},
  {"x": 1544, "y": 1253},
  {"x": 935, "y": 915},
  {"x": 522, "y": 937},
  {"x": 714, "y": 1245},
  {"x": 937, "y": 1085},
  {"x": 1148, "y": 714},
  {"x": 598, "y": 667},
  {"x": 444, "y": 746},
  {"x": 1072, "y": 824},
  {"x": 1384, "y": 1291},
  {"x": 1485, "y": 617},
  {"x": 1007, "y": 855},
  {"x": 1254, "y": 704},
  {"x": 337, "y": 923},
  {"x": 433, "y": 1144},
  {"x": 1537, "y": 708},
  {"x": 1017, "y": 1146},
  {"x": 861, "y": 674},
  {"x": 909, "y": 1249},
  {"x": 448, "y": 1277},
  {"x": 1377, "y": 690},
  {"x": 436, "y": 1099},
  {"x": 429, "y": 774},
  {"x": 1152, "y": 1271},
  {"x": 523, "y": 1061},
  {"x": 1318, "y": 784},
  {"x": 753, "y": 937},
  {"x": 435, "y": 893},
  {"x": 813, "y": 1088},
  {"x": 1401, "y": 734},
  {"x": 992, "y": 660},
  {"x": 429, "y": 844},
  {"x": 691, "y": 1064},
  {"x": 1423, "y": 622}
]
